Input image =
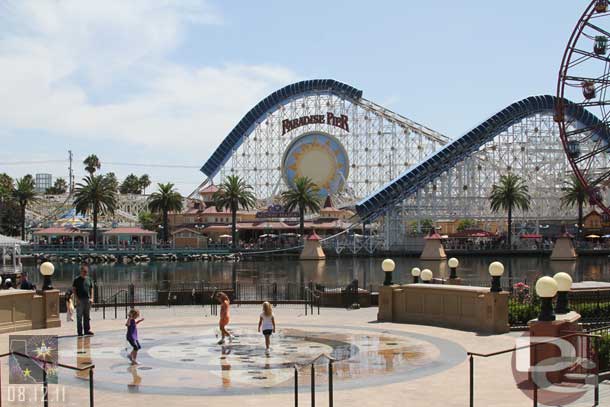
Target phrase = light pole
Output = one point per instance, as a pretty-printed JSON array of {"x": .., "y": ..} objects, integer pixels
[
  {"x": 47, "y": 269},
  {"x": 426, "y": 276},
  {"x": 564, "y": 284},
  {"x": 546, "y": 288},
  {"x": 496, "y": 269},
  {"x": 415, "y": 272},
  {"x": 388, "y": 266},
  {"x": 453, "y": 265}
]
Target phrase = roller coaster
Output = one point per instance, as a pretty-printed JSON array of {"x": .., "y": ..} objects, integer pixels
[{"x": 400, "y": 171}]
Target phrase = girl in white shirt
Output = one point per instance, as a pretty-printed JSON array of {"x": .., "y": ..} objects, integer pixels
[{"x": 267, "y": 323}]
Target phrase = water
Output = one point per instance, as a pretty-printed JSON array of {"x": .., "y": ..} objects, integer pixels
[{"x": 331, "y": 272}]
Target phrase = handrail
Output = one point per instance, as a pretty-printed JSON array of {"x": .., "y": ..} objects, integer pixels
[
  {"x": 114, "y": 295},
  {"x": 486, "y": 355},
  {"x": 80, "y": 369},
  {"x": 45, "y": 383},
  {"x": 314, "y": 360},
  {"x": 471, "y": 356},
  {"x": 311, "y": 363}
]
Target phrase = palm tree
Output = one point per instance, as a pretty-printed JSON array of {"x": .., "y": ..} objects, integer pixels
[
  {"x": 232, "y": 194},
  {"x": 144, "y": 183},
  {"x": 304, "y": 196},
  {"x": 574, "y": 193},
  {"x": 510, "y": 194},
  {"x": 95, "y": 196},
  {"x": 92, "y": 163},
  {"x": 165, "y": 200},
  {"x": 24, "y": 193}
]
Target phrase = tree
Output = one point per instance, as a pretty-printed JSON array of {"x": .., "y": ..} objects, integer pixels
[
  {"x": 165, "y": 200},
  {"x": 92, "y": 163},
  {"x": 144, "y": 182},
  {"x": 466, "y": 224},
  {"x": 149, "y": 221},
  {"x": 9, "y": 217},
  {"x": 112, "y": 180},
  {"x": 95, "y": 196},
  {"x": 304, "y": 196},
  {"x": 511, "y": 193},
  {"x": 24, "y": 194},
  {"x": 232, "y": 194},
  {"x": 59, "y": 187},
  {"x": 574, "y": 193},
  {"x": 6, "y": 187},
  {"x": 131, "y": 185}
]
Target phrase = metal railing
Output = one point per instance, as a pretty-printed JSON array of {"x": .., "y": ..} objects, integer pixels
[
  {"x": 45, "y": 382},
  {"x": 113, "y": 302},
  {"x": 590, "y": 347},
  {"x": 312, "y": 363}
]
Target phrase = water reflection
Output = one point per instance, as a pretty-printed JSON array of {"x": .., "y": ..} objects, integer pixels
[{"x": 332, "y": 271}]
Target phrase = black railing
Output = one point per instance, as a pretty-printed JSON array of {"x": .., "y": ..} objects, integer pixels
[
  {"x": 588, "y": 350},
  {"x": 311, "y": 364},
  {"x": 45, "y": 382}
]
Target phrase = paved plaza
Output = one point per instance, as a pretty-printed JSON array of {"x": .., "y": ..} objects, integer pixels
[{"x": 181, "y": 364}]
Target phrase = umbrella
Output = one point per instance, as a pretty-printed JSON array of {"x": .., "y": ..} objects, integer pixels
[
  {"x": 225, "y": 236},
  {"x": 592, "y": 237},
  {"x": 268, "y": 235}
]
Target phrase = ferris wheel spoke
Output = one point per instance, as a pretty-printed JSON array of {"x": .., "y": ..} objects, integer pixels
[
  {"x": 598, "y": 29},
  {"x": 586, "y": 55},
  {"x": 604, "y": 79},
  {"x": 600, "y": 180},
  {"x": 592, "y": 154}
]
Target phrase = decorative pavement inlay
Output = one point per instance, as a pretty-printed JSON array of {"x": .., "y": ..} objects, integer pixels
[{"x": 187, "y": 360}]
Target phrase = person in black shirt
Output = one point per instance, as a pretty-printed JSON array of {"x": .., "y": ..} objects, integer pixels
[
  {"x": 82, "y": 287},
  {"x": 25, "y": 284}
]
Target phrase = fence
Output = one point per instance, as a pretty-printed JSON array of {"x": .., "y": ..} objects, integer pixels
[
  {"x": 45, "y": 383},
  {"x": 587, "y": 348}
]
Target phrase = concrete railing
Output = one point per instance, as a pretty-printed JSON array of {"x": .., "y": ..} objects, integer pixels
[{"x": 453, "y": 306}]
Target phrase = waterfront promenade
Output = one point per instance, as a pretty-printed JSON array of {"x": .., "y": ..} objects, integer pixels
[{"x": 379, "y": 363}]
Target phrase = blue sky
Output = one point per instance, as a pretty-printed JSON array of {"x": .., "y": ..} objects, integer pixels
[{"x": 163, "y": 82}]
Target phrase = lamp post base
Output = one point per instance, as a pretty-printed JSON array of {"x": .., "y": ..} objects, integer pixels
[
  {"x": 562, "y": 306},
  {"x": 388, "y": 278},
  {"x": 496, "y": 286},
  {"x": 546, "y": 310},
  {"x": 47, "y": 284}
]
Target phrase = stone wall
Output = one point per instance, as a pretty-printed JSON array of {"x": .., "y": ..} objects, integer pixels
[
  {"x": 460, "y": 307},
  {"x": 23, "y": 310}
]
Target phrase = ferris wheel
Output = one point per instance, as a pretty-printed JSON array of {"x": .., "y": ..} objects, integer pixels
[{"x": 583, "y": 102}]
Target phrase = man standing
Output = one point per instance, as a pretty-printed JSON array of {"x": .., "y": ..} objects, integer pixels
[{"x": 82, "y": 287}]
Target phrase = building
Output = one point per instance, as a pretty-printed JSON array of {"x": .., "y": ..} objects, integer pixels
[{"x": 42, "y": 182}]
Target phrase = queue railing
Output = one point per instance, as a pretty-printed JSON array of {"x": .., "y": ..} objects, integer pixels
[
  {"x": 45, "y": 381},
  {"x": 311, "y": 364}
]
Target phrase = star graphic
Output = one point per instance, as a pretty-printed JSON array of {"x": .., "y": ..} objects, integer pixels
[
  {"x": 43, "y": 351},
  {"x": 26, "y": 372}
]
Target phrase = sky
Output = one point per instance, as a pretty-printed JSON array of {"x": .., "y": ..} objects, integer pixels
[{"x": 153, "y": 86}]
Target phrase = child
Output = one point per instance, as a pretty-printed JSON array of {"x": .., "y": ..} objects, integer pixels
[
  {"x": 223, "y": 299},
  {"x": 267, "y": 321},
  {"x": 132, "y": 334},
  {"x": 69, "y": 306}
]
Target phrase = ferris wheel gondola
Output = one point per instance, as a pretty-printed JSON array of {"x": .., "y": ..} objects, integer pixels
[{"x": 584, "y": 77}]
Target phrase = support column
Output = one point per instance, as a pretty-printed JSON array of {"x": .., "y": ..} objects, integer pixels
[
  {"x": 3, "y": 256},
  {"x": 14, "y": 258}
]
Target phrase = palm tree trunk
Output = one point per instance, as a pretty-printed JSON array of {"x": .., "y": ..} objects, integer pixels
[
  {"x": 95, "y": 227},
  {"x": 579, "y": 220},
  {"x": 22, "y": 207},
  {"x": 302, "y": 221},
  {"x": 165, "y": 226},
  {"x": 510, "y": 227},
  {"x": 234, "y": 226}
]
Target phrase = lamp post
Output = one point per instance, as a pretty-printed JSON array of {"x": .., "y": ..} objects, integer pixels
[
  {"x": 564, "y": 284},
  {"x": 388, "y": 267},
  {"x": 496, "y": 269},
  {"x": 546, "y": 288},
  {"x": 453, "y": 265},
  {"x": 426, "y": 276},
  {"x": 415, "y": 272},
  {"x": 47, "y": 269}
]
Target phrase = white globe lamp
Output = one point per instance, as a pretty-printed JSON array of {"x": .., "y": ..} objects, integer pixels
[
  {"x": 415, "y": 272},
  {"x": 564, "y": 284},
  {"x": 496, "y": 269},
  {"x": 453, "y": 264},
  {"x": 47, "y": 269},
  {"x": 426, "y": 275},
  {"x": 388, "y": 267},
  {"x": 546, "y": 288}
]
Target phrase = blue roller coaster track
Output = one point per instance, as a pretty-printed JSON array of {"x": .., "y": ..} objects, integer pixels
[{"x": 418, "y": 176}]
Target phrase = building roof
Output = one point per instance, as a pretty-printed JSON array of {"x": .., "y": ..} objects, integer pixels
[
  {"x": 197, "y": 231},
  {"x": 60, "y": 232},
  {"x": 10, "y": 241},
  {"x": 128, "y": 231},
  {"x": 210, "y": 189}
]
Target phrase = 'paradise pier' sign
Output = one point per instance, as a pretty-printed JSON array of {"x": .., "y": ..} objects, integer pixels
[{"x": 329, "y": 118}]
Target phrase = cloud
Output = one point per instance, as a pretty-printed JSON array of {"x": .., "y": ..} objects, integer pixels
[{"x": 104, "y": 71}]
